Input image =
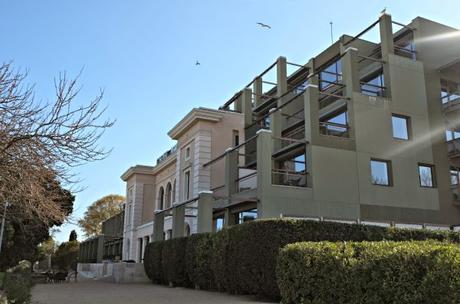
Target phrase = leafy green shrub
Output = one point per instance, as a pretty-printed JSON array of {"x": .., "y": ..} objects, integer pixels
[
  {"x": 242, "y": 258},
  {"x": 153, "y": 262},
  {"x": 197, "y": 259},
  {"x": 219, "y": 258},
  {"x": 173, "y": 262},
  {"x": 369, "y": 272},
  {"x": 17, "y": 287},
  {"x": 246, "y": 254}
]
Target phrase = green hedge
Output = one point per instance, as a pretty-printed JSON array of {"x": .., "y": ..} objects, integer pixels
[
  {"x": 173, "y": 262},
  {"x": 243, "y": 257},
  {"x": 369, "y": 272},
  {"x": 152, "y": 262},
  {"x": 198, "y": 261}
]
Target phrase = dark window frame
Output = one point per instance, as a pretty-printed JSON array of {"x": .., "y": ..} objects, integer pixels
[
  {"x": 389, "y": 171},
  {"x": 408, "y": 126},
  {"x": 433, "y": 175}
]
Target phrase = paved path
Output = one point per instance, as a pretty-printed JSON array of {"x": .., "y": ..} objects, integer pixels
[{"x": 95, "y": 292}]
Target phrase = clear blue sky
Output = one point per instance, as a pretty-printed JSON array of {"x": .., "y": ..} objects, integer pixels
[{"x": 143, "y": 53}]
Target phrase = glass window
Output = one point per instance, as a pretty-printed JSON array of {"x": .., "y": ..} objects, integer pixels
[
  {"x": 374, "y": 86},
  {"x": 187, "y": 185},
  {"x": 299, "y": 163},
  {"x": 400, "y": 127},
  {"x": 426, "y": 175},
  {"x": 187, "y": 153},
  {"x": 380, "y": 172},
  {"x": 246, "y": 216},
  {"x": 454, "y": 176},
  {"x": 331, "y": 75}
]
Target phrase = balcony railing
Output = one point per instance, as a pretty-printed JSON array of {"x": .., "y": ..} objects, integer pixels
[
  {"x": 286, "y": 177},
  {"x": 453, "y": 147},
  {"x": 247, "y": 180},
  {"x": 334, "y": 129}
]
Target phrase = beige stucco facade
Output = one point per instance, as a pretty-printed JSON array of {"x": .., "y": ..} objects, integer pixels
[{"x": 177, "y": 176}]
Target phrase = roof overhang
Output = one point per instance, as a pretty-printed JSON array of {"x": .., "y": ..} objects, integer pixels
[
  {"x": 138, "y": 169},
  {"x": 195, "y": 115}
]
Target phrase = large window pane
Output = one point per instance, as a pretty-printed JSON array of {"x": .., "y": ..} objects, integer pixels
[
  {"x": 380, "y": 172},
  {"x": 426, "y": 174},
  {"x": 400, "y": 127},
  {"x": 454, "y": 176}
]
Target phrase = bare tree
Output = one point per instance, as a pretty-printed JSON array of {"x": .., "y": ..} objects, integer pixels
[{"x": 41, "y": 142}]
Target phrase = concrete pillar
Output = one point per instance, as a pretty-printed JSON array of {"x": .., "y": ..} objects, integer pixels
[
  {"x": 351, "y": 82},
  {"x": 229, "y": 219},
  {"x": 178, "y": 220},
  {"x": 311, "y": 111},
  {"x": 276, "y": 127},
  {"x": 387, "y": 45},
  {"x": 231, "y": 172},
  {"x": 386, "y": 35},
  {"x": 264, "y": 161},
  {"x": 205, "y": 204},
  {"x": 246, "y": 106},
  {"x": 238, "y": 105},
  {"x": 158, "y": 225},
  {"x": 350, "y": 71},
  {"x": 258, "y": 91},
  {"x": 281, "y": 78}
]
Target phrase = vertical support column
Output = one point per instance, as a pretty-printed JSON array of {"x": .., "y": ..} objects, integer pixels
[
  {"x": 311, "y": 110},
  {"x": 351, "y": 82},
  {"x": 231, "y": 172},
  {"x": 178, "y": 220},
  {"x": 238, "y": 105},
  {"x": 264, "y": 167},
  {"x": 246, "y": 103},
  {"x": 386, "y": 36},
  {"x": 281, "y": 77},
  {"x": 205, "y": 202},
  {"x": 158, "y": 225},
  {"x": 275, "y": 117},
  {"x": 258, "y": 91},
  {"x": 387, "y": 45}
]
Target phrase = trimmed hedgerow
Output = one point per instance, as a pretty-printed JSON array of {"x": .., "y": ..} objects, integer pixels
[
  {"x": 246, "y": 255},
  {"x": 369, "y": 272},
  {"x": 197, "y": 259},
  {"x": 242, "y": 258},
  {"x": 173, "y": 262},
  {"x": 152, "y": 262}
]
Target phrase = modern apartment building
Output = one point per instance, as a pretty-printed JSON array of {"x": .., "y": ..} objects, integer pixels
[{"x": 365, "y": 131}]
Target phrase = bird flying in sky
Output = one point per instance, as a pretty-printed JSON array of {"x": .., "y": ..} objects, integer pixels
[
  {"x": 264, "y": 25},
  {"x": 197, "y": 63}
]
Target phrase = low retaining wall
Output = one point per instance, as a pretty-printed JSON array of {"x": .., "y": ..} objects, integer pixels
[{"x": 112, "y": 272}]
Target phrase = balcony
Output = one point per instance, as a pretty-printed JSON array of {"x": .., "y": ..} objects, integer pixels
[
  {"x": 453, "y": 148},
  {"x": 451, "y": 109}
]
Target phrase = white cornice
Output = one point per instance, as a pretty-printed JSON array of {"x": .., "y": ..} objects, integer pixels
[
  {"x": 193, "y": 116},
  {"x": 138, "y": 169}
]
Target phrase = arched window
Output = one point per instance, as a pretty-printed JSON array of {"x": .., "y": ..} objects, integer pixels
[
  {"x": 174, "y": 192},
  {"x": 168, "y": 195},
  {"x": 161, "y": 198}
]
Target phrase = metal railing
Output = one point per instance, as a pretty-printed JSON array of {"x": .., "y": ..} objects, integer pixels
[
  {"x": 334, "y": 129},
  {"x": 247, "y": 180},
  {"x": 453, "y": 147},
  {"x": 285, "y": 177},
  {"x": 372, "y": 89}
]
